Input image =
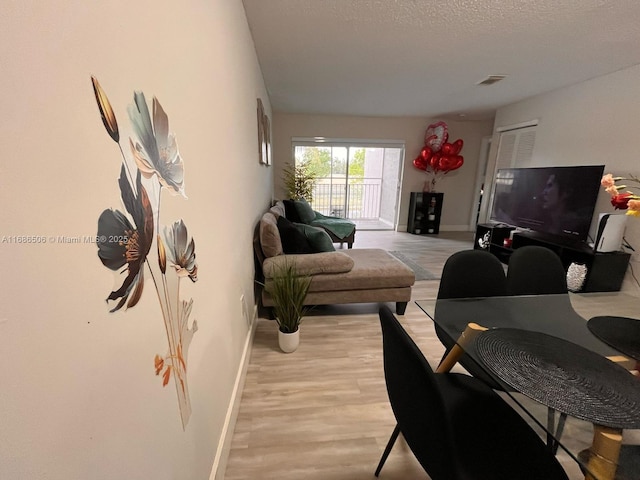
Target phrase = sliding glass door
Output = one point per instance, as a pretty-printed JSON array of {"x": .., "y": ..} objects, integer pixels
[{"x": 355, "y": 180}]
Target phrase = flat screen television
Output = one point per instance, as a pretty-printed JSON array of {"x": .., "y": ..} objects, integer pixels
[{"x": 557, "y": 201}]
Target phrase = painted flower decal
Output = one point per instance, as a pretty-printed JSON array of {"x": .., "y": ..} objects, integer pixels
[
  {"x": 125, "y": 239},
  {"x": 123, "y": 244},
  {"x": 620, "y": 200},
  {"x": 176, "y": 363},
  {"x": 157, "y": 151},
  {"x": 180, "y": 251},
  {"x": 106, "y": 112}
]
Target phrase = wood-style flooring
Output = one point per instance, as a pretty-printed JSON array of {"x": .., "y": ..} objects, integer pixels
[{"x": 322, "y": 412}]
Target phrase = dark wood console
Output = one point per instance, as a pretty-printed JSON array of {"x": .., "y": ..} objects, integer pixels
[{"x": 605, "y": 271}]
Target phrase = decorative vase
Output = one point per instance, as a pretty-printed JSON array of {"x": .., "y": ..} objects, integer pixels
[{"x": 289, "y": 342}]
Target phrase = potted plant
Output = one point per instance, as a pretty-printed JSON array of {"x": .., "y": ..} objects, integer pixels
[
  {"x": 289, "y": 290},
  {"x": 299, "y": 180}
]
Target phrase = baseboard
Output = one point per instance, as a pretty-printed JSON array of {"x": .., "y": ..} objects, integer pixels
[
  {"x": 443, "y": 228},
  {"x": 455, "y": 228},
  {"x": 224, "y": 445}
]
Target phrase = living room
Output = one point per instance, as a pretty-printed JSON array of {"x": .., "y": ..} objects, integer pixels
[{"x": 82, "y": 398}]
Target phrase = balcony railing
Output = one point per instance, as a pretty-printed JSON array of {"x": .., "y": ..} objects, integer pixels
[{"x": 357, "y": 200}]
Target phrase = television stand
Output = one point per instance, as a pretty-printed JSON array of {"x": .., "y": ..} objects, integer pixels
[
  {"x": 547, "y": 239},
  {"x": 605, "y": 271}
]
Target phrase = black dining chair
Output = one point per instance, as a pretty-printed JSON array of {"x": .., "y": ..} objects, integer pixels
[
  {"x": 472, "y": 273},
  {"x": 469, "y": 274},
  {"x": 623, "y": 334},
  {"x": 456, "y": 426},
  {"x": 535, "y": 270}
]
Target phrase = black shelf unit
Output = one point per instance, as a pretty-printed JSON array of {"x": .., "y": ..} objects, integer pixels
[
  {"x": 425, "y": 210},
  {"x": 491, "y": 238},
  {"x": 605, "y": 271}
]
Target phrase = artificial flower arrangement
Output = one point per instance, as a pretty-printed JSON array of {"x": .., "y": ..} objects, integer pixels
[{"x": 626, "y": 200}]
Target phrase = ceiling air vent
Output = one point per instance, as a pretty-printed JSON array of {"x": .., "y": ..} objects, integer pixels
[{"x": 491, "y": 79}]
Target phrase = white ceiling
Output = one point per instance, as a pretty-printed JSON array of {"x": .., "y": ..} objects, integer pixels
[{"x": 425, "y": 57}]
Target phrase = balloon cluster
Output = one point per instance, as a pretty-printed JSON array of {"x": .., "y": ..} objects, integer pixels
[{"x": 438, "y": 157}]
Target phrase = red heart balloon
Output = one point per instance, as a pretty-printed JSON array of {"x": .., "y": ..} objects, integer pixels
[
  {"x": 419, "y": 163},
  {"x": 448, "y": 149},
  {"x": 457, "y": 146},
  {"x": 456, "y": 162},
  {"x": 444, "y": 163},
  {"x": 434, "y": 163},
  {"x": 449, "y": 163},
  {"x": 426, "y": 153}
]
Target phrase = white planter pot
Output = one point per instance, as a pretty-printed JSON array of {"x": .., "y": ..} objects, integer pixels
[{"x": 289, "y": 341}]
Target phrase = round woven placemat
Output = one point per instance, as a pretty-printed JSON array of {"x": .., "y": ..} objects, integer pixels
[
  {"x": 563, "y": 376},
  {"x": 621, "y": 333}
]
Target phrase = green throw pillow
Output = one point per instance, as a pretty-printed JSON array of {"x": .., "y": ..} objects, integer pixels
[
  {"x": 305, "y": 212},
  {"x": 293, "y": 240},
  {"x": 319, "y": 239}
]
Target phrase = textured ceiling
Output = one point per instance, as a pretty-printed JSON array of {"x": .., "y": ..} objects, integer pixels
[{"x": 425, "y": 57}]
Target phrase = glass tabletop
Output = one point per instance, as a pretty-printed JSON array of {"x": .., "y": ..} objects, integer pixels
[
  {"x": 539, "y": 346},
  {"x": 551, "y": 314}
]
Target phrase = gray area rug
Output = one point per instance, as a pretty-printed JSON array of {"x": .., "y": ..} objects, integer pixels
[{"x": 420, "y": 272}]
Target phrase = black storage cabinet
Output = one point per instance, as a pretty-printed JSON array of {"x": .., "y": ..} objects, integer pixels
[{"x": 425, "y": 210}]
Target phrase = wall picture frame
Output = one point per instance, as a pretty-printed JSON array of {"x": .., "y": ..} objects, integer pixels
[
  {"x": 267, "y": 138},
  {"x": 262, "y": 141}
]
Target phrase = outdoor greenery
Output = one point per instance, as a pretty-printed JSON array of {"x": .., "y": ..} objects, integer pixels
[
  {"x": 338, "y": 173},
  {"x": 318, "y": 160},
  {"x": 289, "y": 290},
  {"x": 356, "y": 165}
]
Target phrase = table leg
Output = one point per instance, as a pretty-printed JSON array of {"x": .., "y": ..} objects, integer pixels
[
  {"x": 468, "y": 336},
  {"x": 604, "y": 453},
  {"x": 551, "y": 425},
  {"x": 626, "y": 362},
  {"x": 554, "y": 431},
  {"x": 629, "y": 363}
]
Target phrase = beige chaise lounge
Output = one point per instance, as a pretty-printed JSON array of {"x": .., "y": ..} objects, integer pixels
[{"x": 346, "y": 276}]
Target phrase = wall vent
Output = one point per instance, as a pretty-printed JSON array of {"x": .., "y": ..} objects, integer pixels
[{"x": 491, "y": 79}]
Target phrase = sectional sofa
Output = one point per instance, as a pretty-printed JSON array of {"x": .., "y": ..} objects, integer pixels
[{"x": 338, "y": 276}]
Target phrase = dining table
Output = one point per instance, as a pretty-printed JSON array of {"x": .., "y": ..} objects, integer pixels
[{"x": 538, "y": 346}]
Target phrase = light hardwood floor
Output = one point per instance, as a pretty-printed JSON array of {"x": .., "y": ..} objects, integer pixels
[{"x": 322, "y": 412}]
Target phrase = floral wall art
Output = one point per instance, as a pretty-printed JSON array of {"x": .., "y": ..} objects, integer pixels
[{"x": 139, "y": 245}]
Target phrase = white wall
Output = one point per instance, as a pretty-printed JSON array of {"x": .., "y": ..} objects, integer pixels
[
  {"x": 591, "y": 123},
  {"x": 457, "y": 185},
  {"x": 79, "y": 396}
]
